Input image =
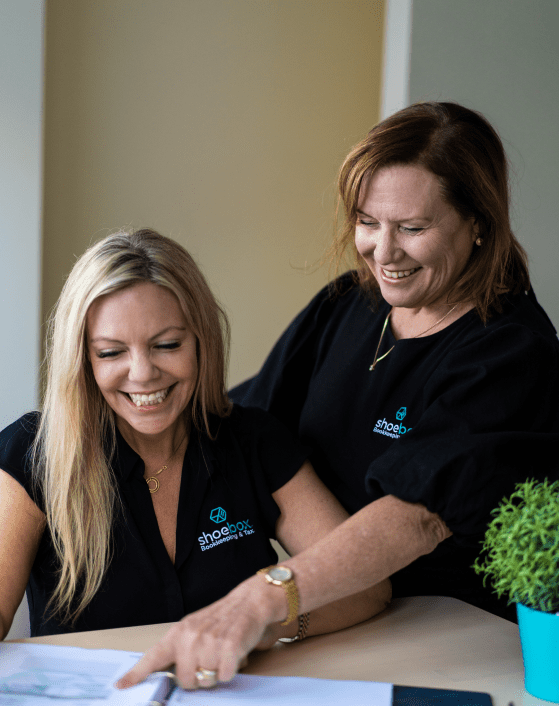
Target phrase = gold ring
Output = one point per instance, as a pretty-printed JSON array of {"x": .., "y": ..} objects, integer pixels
[{"x": 206, "y": 678}]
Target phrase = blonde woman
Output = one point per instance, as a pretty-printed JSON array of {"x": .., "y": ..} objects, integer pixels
[{"x": 140, "y": 494}]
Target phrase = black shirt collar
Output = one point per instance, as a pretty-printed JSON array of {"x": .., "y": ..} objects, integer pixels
[{"x": 126, "y": 463}]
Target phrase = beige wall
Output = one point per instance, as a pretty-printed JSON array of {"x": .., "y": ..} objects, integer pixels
[{"x": 218, "y": 122}]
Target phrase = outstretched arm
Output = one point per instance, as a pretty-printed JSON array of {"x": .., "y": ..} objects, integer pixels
[
  {"x": 21, "y": 527},
  {"x": 309, "y": 512},
  {"x": 365, "y": 549}
]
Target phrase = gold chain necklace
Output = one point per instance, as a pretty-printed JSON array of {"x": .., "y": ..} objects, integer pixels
[
  {"x": 153, "y": 479},
  {"x": 377, "y": 360}
]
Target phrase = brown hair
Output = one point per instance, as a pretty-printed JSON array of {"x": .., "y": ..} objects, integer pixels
[
  {"x": 465, "y": 153},
  {"x": 70, "y": 450}
]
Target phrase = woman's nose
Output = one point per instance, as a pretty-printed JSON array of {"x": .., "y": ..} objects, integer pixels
[
  {"x": 386, "y": 249},
  {"x": 141, "y": 368}
]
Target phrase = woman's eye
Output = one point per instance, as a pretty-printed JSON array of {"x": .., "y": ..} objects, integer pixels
[
  {"x": 365, "y": 222},
  {"x": 168, "y": 346},
  {"x": 107, "y": 354},
  {"x": 410, "y": 231}
]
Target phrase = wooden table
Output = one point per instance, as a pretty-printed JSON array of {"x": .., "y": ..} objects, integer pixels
[{"x": 425, "y": 641}]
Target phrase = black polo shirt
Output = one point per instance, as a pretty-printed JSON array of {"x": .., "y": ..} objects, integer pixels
[
  {"x": 451, "y": 420},
  {"x": 226, "y": 515}
]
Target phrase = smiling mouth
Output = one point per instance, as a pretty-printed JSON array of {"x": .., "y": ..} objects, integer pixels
[
  {"x": 154, "y": 398},
  {"x": 399, "y": 274}
]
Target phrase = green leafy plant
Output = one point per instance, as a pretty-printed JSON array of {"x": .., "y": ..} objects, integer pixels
[{"x": 520, "y": 553}]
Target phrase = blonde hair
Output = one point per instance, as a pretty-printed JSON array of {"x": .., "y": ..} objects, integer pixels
[{"x": 76, "y": 436}]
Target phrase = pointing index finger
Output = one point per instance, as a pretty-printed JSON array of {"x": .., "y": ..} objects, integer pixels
[{"x": 156, "y": 659}]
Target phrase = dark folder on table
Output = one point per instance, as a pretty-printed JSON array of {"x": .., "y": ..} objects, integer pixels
[{"x": 420, "y": 696}]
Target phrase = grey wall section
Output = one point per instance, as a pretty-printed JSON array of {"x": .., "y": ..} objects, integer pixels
[
  {"x": 21, "y": 31},
  {"x": 396, "y": 56},
  {"x": 21, "y": 42},
  {"x": 501, "y": 57}
]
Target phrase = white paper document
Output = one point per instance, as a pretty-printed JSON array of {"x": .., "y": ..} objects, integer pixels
[
  {"x": 47, "y": 675},
  {"x": 280, "y": 691}
]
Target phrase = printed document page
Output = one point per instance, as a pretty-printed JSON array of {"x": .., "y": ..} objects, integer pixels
[
  {"x": 279, "y": 691},
  {"x": 48, "y": 675},
  {"x": 43, "y": 675}
]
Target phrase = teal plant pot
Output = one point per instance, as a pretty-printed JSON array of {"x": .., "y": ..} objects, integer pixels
[{"x": 539, "y": 637}]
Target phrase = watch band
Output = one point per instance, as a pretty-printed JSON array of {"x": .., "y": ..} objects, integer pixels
[
  {"x": 304, "y": 620},
  {"x": 283, "y": 576}
]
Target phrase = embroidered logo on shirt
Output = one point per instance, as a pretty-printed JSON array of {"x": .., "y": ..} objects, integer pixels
[
  {"x": 218, "y": 514},
  {"x": 392, "y": 429},
  {"x": 230, "y": 530}
]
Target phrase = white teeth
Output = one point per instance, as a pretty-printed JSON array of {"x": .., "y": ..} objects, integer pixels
[
  {"x": 151, "y": 399},
  {"x": 398, "y": 274}
]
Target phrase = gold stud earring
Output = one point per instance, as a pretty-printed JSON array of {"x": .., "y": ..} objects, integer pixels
[{"x": 479, "y": 241}]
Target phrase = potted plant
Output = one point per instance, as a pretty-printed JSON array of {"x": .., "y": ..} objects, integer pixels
[{"x": 521, "y": 558}]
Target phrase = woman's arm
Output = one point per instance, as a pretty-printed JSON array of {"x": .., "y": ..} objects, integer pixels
[
  {"x": 367, "y": 548},
  {"x": 21, "y": 527},
  {"x": 382, "y": 538},
  {"x": 309, "y": 512}
]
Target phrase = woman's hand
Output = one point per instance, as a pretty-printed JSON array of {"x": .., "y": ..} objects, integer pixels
[{"x": 217, "y": 637}]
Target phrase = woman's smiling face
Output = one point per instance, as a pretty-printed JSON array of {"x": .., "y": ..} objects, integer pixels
[
  {"x": 143, "y": 356},
  {"x": 415, "y": 243}
]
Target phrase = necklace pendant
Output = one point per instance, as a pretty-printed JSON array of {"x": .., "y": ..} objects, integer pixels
[{"x": 153, "y": 479}]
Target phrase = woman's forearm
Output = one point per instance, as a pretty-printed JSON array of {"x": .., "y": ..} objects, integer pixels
[
  {"x": 351, "y": 610},
  {"x": 337, "y": 615},
  {"x": 309, "y": 513},
  {"x": 368, "y": 547},
  {"x": 382, "y": 538}
]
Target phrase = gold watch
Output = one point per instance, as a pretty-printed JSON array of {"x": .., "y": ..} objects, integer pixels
[{"x": 283, "y": 576}]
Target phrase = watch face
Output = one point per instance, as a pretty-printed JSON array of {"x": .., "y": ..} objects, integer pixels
[{"x": 280, "y": 573}]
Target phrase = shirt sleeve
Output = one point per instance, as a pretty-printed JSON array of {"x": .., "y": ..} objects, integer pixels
[
  {"x": 491, "y": 420},
  {"x": 282, "y": 384},
  {"x": 271, "y": 456},
  {"x": 273, "y": 453},
  {"x": 15, "y": 453}
]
